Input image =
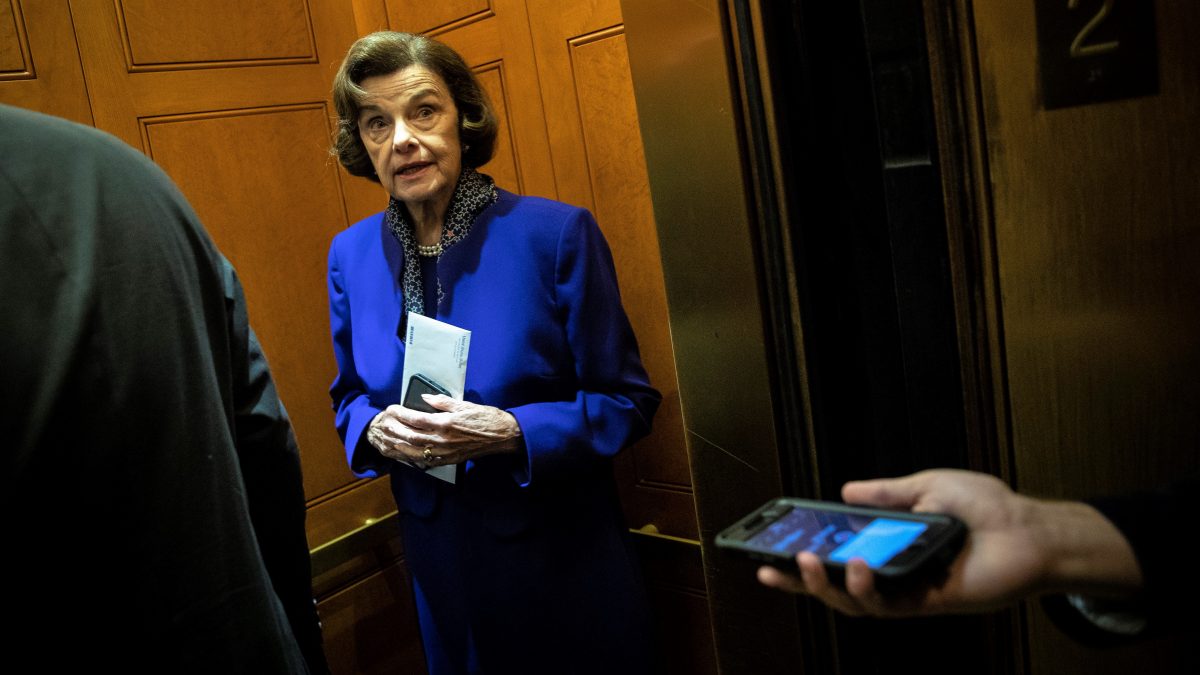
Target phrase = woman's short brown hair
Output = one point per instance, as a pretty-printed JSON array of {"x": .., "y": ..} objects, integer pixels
[{"x": 386, "y": 52}]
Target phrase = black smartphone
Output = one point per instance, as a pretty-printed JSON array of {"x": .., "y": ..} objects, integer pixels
[
  {"x": 419, "y": 384},
  {"x": 900, "y": 547}
]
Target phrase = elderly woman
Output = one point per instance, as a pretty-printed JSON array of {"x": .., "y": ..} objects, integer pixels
[{"x": 523, "y": 564}]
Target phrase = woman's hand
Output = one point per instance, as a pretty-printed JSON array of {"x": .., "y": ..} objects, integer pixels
[{"x": 458, "y": 432}]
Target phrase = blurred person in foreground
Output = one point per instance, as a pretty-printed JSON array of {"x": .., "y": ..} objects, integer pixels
[
  {"x": 524, "y": 564},
  {"x": 151, "y": 494},
  {"x": 1108, "y": 571}
]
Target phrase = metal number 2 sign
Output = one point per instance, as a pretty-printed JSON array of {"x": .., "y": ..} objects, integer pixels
[{"x": 1091, "y": 51}]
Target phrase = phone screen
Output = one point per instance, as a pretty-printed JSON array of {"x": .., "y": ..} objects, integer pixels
[{"x": 839, "y": 536}]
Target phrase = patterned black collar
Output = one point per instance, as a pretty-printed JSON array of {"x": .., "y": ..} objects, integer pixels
[{"x": 473, "y": 193}]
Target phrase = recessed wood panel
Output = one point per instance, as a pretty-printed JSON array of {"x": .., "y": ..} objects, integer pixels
[
  {"x": 14, "y": 46},
  {"x": 620, "y": 187},
  {"x": 503, "y": 167},
  {"x": 39, "y": 63},
  {"x": 362, "y": 503},
  {"x": 684, "y": 629},
  {"x": 675, "y": 580},
  {"x": 503, "y": 39},
  {"x": 205, "y": 33},
  {"x": 424, "y": 17},
  {"x": 265, "y": 188},
  {"x": 585, "y": 83},
  {"x": 371, "y": 626},
  {"x": 654, "y": 507}
]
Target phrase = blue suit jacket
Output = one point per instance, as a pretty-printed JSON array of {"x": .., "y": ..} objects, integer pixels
[{"x": 550, "y": 343}]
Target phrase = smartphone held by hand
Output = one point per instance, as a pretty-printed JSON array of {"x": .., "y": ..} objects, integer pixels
[
  {"x": 419, "y": 384},
  {"x": 900, "y": 547}
]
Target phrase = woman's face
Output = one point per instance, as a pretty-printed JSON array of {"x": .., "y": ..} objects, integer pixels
[{"x": 409, "y": 125}]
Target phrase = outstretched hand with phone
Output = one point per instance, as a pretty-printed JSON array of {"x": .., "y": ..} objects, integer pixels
[{"x": 1017, "y": 546}]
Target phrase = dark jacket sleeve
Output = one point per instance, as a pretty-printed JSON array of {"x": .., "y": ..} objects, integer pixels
[
  {"x": 270, "y": 464},
  {"x": 1151, "y": 522}
]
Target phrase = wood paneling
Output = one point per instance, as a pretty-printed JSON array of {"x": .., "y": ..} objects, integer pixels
[
  {"x": 120, "y": 96},
  {"x": 503, "y": 166},
  {"x": 621, "y": 193},
  {"x": 15, "y": 62},
  {"x": 426, "y": 17},
  {"x": 592, "y": 121},
  {"x": 39, "y": 62},
  {"x": 215, "y": 33},
  {"x": 351, "y": 508},
  {"x": 675, "y": 575},
  {"x": 499, "y": 47},
  {"x": 270, "y": 199},
  {"x": 248, "y": 146},
  {"x": 370, "y": 626}
]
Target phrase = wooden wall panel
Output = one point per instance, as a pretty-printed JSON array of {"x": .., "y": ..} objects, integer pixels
[
  {"x": 355, "y": 505},
  {"x": 499, "y": 47},
  {"x": 248, "y": 146},
  {"x": 621, "y": 194},
  {"x": 214, "y": 33},
  {"x": 675, "y": 576},
  {"x": 370, "y": 626},
  {"x": 424, "y": 17},
  {"x": 503, "y": 166},
  {"x": 39, "y": 61},
  {"x": 592, "y": 121},
  {"x": 121, "y": 92},
  {"x": 683, "y": 619},
  {"x": 15, "y": 60},
  {"x": 369, "y": 16},
  {"x": 244, "y": 186}
]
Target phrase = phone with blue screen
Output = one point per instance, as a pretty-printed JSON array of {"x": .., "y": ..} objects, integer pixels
[{"x": 900, "y": 547}]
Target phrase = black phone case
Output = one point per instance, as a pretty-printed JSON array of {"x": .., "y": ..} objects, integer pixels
[
  {"x": 922, "y": 566},
  {"x": 419, "y": 384}
]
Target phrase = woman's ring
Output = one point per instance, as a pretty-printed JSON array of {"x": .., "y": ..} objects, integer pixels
[{"x": 429, "y": 454}]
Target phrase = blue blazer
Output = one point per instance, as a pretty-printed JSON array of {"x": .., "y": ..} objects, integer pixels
[{"x": 497, "y": 554}]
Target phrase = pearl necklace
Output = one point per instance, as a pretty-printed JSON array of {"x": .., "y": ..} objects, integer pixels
[{"x": 429, "y": 251}]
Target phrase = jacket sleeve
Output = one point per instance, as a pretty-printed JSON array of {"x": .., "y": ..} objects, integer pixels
[
  {"x": 270, "y": 463},
  {"x": 1150, "y": 522},
  {"x": 614, "y": 402},
  {"x": 353, "y": 407}
]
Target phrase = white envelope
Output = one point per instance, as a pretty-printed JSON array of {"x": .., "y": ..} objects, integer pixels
[{"x": 438, "y": 351}]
